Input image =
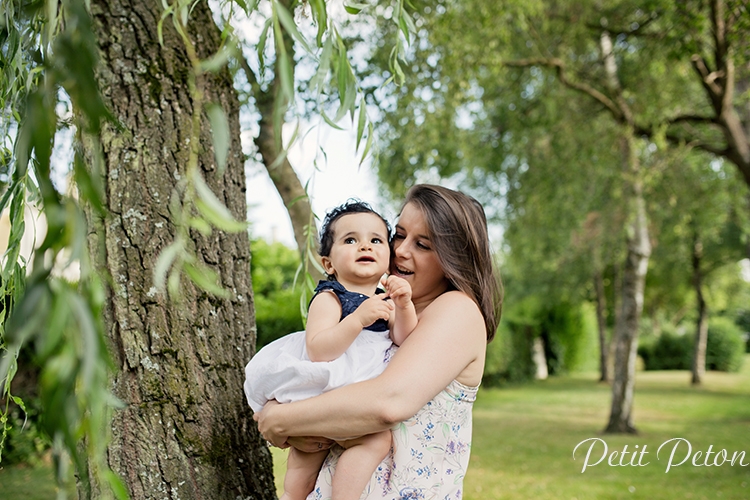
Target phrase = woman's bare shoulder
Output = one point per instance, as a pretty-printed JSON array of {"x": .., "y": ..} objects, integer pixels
[
  {"x": 453, "y": 308},
  {"x": 454, "y": 301},
  {"x": 450, "y": 339}
]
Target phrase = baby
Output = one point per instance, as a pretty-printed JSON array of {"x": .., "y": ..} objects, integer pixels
[{"x": 351, "y": 330}]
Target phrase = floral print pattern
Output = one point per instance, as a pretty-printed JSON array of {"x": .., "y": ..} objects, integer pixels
[{"x": 429, "y": 456}]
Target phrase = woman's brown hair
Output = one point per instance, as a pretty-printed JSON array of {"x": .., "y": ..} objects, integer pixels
[{"x": 458, "y": 233}]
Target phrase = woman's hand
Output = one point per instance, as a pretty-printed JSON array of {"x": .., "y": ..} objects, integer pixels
[
  {"x": 264, "y": 425},
  {"x": 306, "y": 444},
  {"x": 309, "y": 444}
]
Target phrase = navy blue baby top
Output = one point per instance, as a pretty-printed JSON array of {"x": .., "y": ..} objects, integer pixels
[{"x": 350, "y": 301}]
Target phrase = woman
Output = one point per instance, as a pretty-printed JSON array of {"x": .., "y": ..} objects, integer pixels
[{"x": 425, "y": 394}]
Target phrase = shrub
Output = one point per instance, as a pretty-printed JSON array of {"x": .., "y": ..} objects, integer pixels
[
  {"x": 673, "y": 352},
  {"x": 570, "y": 337},
  {"x": 276, "y": 315},
  {"x": 277, "y": 301},
  {"x": 725, "y": 346},
  {"x": 668, "y": 351}
]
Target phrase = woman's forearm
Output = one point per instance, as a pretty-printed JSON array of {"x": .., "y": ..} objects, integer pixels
[{"x": 339, "y": 414}]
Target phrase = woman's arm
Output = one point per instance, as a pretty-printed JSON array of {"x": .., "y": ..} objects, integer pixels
[{"x": 449, "y": 338}]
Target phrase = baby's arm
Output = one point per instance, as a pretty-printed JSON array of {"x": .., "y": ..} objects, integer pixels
[
  {"x": 326, "y": 337},
  {"x": 405, "y": 316}
]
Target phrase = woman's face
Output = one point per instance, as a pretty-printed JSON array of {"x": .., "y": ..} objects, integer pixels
[{"x": 414, "y": 258}]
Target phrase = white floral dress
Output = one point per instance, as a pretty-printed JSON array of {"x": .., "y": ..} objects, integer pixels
[{"x": 429, "y": 457}]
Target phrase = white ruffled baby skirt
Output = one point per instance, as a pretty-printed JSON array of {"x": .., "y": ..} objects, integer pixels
[{"x": 283, "y": 371}]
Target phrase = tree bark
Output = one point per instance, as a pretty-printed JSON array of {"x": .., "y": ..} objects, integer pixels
[
  {"x": 185, "y": 431},
  {"x": 701, "y": 333},
  {"x": 633, "y": 284},
  {"x": 601, "y": 307}
]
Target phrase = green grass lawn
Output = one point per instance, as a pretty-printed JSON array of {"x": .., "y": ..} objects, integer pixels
[
  {"x": 31, "y": 482},
  {"x": 524, "y": 438}
]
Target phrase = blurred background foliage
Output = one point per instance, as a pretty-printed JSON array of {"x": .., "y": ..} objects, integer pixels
[{"x": 277, "y": 301}]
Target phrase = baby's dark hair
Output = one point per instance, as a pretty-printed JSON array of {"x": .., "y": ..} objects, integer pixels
[{"x": 351, "y": 206}]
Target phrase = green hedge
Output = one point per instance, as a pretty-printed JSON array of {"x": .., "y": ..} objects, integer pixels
[
  {"x": 276, "y": 315},
  {"x": 725, "y": 347},
  {"x": 669, "y": 351},
  {"x": 568, "y": 331},
  {"x": 277, "y": 302}
]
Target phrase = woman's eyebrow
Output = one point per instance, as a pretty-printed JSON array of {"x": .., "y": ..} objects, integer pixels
[{"x": 421, "y": 236}]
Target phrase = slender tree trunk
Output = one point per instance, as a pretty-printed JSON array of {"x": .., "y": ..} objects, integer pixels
[
  {"x": 185, "y": 431},
  {"x": 284, "y": 177},
  {"x": 617, "y": 267},
  {"x": 280, "y": 170},
  {"x": 601, "y": 307},
  {"x": 701, "y": 333},
  {"x": 633, "y": 284}
]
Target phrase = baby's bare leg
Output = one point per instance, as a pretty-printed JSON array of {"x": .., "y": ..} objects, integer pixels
[
  {"x": 357, "y": 463},
  {"x": 301, "y": 472}
]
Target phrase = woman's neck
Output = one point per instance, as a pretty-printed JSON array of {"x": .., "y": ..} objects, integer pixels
[{"x": 421, "y": 303}]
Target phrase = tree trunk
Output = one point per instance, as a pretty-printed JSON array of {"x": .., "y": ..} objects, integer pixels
[
  {"x": 280, "y": 170},
  {"x": 285, "y": 179},
  {"x": 701, "y": 333},
  {"x": 633, "y": 284},
  {"x": 601, "y": 307},
  {"x": 616, "y": 297},
  {"x": 186, "y": 430}
]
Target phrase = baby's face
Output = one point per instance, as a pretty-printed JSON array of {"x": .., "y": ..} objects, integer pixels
[{"x": 360, "y": 251}]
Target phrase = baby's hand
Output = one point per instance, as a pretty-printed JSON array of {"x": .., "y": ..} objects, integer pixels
[
  {"x": 373, "y": 309},
  {"x": 399, "y": 290}
]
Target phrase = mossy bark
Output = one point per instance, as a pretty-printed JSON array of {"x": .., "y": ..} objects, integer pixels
[{"x": 186, "y": 431}]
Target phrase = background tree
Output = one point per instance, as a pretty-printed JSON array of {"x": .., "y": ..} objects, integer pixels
[
  {"x": 701, "y": 230},
  {"x": 269, "y": 99},
  {"x": 628, "y": 62}
]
